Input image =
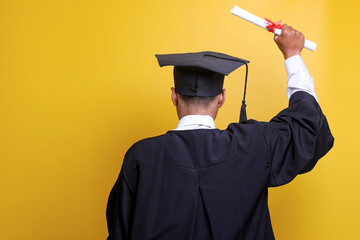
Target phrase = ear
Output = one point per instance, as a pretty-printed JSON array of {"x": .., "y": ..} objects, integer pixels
[
  {"x": 174, "y": 97},
  {"x": 221, "y": 98}
]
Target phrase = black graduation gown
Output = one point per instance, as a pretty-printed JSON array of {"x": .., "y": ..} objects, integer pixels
[{"x": 213, "y": 184}]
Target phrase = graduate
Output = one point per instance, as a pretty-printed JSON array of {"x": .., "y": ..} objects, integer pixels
[{"x": 198, "y": 182}]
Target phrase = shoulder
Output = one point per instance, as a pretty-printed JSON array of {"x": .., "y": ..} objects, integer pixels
[
  {"x": 141, "y": 151},
  {"x": 251, "y": 133},
  {"x": 145, "y": 144},
  {"x": 249, "y": 127}
]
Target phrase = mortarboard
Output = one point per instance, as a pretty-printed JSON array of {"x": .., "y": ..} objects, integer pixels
[{"x": 201, "y": 74}]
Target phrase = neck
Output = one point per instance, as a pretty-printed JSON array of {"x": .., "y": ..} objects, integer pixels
[
  {"x": 184, "y": 111},
  {"x": 194, "y": 107}
]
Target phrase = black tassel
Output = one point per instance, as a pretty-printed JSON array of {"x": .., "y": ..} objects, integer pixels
[{"x": 243, "y": 117}]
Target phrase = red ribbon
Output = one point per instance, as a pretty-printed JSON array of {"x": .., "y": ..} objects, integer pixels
[{"x": 272, "y": 26}]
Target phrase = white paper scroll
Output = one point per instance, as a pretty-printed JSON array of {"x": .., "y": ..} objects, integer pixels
[{"x": 263, "y": 23}]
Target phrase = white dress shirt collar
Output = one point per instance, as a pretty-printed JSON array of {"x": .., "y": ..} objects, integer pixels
[{"x": 191, "y": 122}]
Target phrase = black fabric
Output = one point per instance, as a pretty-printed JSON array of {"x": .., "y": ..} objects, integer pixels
[
  {"x": 213, "y": 184},
  {"x": 200, "y": 74}
]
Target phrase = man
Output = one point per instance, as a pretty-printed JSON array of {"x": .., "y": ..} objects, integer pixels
[{"x": 198, "y": 182}]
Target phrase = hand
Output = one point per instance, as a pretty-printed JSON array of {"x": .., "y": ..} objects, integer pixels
[{"x": 290, "y": 42}]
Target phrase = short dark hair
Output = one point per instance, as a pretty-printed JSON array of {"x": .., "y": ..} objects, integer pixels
[{"x": 198, "y": 101}]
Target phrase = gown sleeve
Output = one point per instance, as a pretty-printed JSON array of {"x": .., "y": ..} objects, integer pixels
[
  {"x": 297, "y": 138},
  {"x": 118, "y": 212}
]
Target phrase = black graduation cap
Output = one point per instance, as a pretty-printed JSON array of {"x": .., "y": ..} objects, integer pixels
[{"x": 201, "y": 74}]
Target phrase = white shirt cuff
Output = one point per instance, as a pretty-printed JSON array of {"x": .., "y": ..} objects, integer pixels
[{"x": 299, "y": 78}]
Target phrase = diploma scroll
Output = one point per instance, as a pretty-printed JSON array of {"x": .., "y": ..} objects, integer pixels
[{"x": 263, "y": 23}]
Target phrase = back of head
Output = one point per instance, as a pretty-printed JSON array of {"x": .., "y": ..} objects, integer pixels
[
  {"x": 197, "y": 102},
  {"x": 199, "y": 77}
]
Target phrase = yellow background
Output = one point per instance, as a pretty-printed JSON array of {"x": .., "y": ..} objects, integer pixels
[{"x": 79, "y": 84}]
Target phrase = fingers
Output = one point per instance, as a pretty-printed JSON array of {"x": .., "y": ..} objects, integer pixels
[
  {"x": 290, "y": 41},
  {"x": 289, "y": 30},
  {"x": 284, "y": 27}
]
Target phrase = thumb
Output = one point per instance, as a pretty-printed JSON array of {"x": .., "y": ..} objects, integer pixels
[{"x": 276, "y": 37}]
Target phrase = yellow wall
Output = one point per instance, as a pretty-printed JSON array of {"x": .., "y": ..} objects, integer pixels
[{"x": 79, "y": 84}]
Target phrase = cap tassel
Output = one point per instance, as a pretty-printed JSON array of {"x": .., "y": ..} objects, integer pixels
[{"x": 243, "y": 117}]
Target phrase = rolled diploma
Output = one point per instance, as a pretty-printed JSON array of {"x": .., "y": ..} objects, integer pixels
[{"x": 263, "y": 23}]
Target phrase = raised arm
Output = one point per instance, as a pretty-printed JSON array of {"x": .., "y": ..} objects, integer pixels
[
  {"x": 291, "y": 43},
  {"x": 299, "y": 135}
]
